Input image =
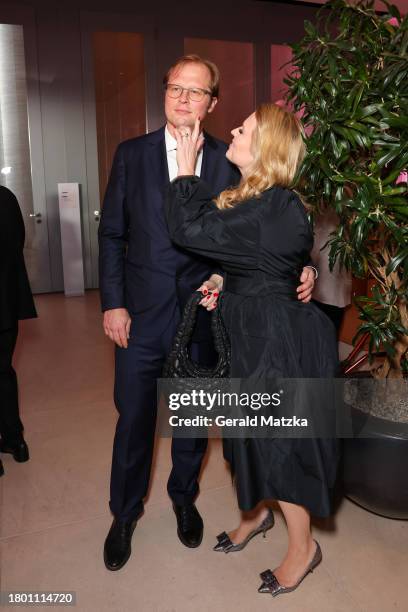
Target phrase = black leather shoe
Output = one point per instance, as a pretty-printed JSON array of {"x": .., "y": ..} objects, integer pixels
[
  {"x": 117, "y": 547},
  {"x": 1, "y": 468},
  {"x": 190, "y": 525},
  {"x": 18, "y": 449}
]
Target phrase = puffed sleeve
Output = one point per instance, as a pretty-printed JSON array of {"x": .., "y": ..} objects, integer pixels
[{"x": 195, "y": 223}]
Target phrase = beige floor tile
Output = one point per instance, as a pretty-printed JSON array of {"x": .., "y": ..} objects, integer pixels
[
  {"x": 67, "y": 478},
  {"x": 367, "y": 556},
  {"x": 161, "y": 575},
  {"x": 54, "y": 514}
]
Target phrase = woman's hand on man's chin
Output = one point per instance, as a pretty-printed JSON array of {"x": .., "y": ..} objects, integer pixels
[{"x": 189, "y": 144}]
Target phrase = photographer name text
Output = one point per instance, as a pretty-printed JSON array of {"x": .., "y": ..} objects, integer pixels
[{"x": 247, "y": 421}]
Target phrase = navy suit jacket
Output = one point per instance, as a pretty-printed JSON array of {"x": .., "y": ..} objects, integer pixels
[{"x": 140, "y": 269}]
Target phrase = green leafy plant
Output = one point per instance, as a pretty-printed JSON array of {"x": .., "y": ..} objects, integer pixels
[{"x": 350, "y": 81}]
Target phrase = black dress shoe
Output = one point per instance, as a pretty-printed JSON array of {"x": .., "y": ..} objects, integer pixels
[
  {"x": 117, "y": 547},
  {"x": 1, "y": 468},
  {"x": 18, "y": 449},
  {"x": 189, "y": 525}
]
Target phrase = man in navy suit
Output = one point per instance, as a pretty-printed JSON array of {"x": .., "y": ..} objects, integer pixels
[{"x": 145, "y": 282}]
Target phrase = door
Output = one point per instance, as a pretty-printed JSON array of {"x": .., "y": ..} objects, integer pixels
[{"x": 115, "y": 53}]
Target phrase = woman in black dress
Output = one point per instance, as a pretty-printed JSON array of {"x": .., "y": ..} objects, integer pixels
[{"x": 260, "y": 235}]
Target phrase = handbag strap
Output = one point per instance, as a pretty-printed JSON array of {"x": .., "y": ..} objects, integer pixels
[
  {"x": 221, "y": 340},
  {"x": 186, "y": 327}
]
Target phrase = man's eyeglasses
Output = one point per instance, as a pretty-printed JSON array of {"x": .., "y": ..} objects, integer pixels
[{"x": 194, "y": 93}]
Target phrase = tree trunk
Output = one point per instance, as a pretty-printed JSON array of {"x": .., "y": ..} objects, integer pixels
[{"x": 392, "y": 366}]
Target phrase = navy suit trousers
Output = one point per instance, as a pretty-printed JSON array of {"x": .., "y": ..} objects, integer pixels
[{"x": 136, "y": 371}]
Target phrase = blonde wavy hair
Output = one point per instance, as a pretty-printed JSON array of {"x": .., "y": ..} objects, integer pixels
[{"x": 278, "y": 149}]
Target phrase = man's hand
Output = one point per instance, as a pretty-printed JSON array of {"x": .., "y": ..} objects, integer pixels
[
  {"x": 305, "y": 289},
  {"x": 211, "y": 290},
  {"x": 116, "y": 325}
]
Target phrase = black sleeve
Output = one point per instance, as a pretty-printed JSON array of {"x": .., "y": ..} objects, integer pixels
[{"x": 227, "y": 236}]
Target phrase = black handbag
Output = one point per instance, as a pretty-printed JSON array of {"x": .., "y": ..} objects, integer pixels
[{"x": 179, "y": 363}]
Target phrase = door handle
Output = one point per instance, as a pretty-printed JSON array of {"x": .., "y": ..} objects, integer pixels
[
  {"x": 97, "y": 215},
  {"x": 36, "y": 216}
]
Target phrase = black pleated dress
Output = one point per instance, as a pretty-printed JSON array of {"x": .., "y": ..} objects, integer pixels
[{"x": 262, "y": 245}]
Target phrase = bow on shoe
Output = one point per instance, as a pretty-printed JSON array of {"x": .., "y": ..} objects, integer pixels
[
  {"x": 224, "y": 542},
  {"x": 270, "y": 583}
]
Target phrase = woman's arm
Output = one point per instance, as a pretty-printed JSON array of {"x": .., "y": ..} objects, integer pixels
[{"x": 196, "y": 224}]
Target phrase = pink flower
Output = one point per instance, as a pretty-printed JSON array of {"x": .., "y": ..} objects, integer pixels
[
  {"x": 393, "y": 21},
  {"x": 402, "y": 178}
]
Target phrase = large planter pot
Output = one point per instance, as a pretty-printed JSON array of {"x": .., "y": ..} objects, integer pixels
[{"x": 375, "y": 463}]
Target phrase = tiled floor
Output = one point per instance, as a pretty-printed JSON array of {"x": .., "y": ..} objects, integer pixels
[{"x": 54, "y": 514}]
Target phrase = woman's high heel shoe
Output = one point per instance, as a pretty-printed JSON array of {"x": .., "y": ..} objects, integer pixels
[
  {"x": 226, "y": 545},
  {"x": 271, "y": 585}
]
